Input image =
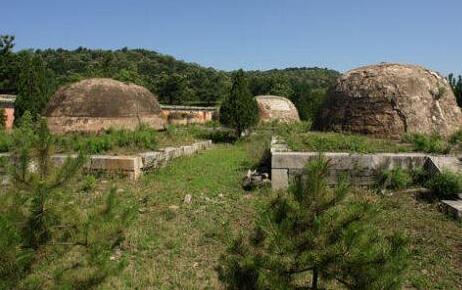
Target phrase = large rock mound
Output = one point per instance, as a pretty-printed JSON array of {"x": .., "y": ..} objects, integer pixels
[
  {"x": 98, "y": 104},
  {"x": 274, "y": 108},
  {"x": 387, "y": 100}
]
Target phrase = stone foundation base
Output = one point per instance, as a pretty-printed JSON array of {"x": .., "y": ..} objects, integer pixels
[{"x": 87, "y": 124}]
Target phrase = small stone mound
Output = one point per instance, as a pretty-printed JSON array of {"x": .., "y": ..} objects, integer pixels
[
  {"x": 98, "y": 104},
  {"x": 387, "y": 100},
  {"x": 274, "y": 108}
]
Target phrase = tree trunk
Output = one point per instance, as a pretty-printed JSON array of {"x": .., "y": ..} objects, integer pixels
[{"x": 314, "y": 282}]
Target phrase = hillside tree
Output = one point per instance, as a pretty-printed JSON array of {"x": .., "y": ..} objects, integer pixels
[
  {"x": 9, "y": 68},
  {"x": 239, "y": 110},
  {"x": 456, "y": 85}
]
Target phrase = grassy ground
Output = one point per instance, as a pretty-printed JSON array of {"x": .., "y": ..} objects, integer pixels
[
  {"x": 335, "y": 142},
  {"x": 299, "y": 137},
  {"x": 435, "y": 240},
  {"x": 170, "y": 244},
  {"x": 118, "y": 141}
]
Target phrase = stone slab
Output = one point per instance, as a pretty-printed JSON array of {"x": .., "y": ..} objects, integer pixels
[
  {"x": 279, "y": 179},
  {"x": 438, "y": 164},
  {"x": 453, "y": 208}
]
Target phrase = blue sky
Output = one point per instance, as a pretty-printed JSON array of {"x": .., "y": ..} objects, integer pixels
[{"x": 252, "y": 34}]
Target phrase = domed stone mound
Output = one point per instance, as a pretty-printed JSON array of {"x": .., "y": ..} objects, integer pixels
[
  {"x": 274, "y": 108},
  {"x": 387, "y": 100},
  {"x": 97, "y": 104}
]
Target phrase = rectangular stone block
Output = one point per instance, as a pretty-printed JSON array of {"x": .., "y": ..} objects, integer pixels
[
  {"x": 107, "y": 162},
  {"x": 382, "y": 161},
  {"x": 151, "y": 159},
  {"x": 453, "y": 208},
  {"x": 279, "y": 179},
  {"x": 188, "y": 150},
  {"x": 438, "y": 164}
]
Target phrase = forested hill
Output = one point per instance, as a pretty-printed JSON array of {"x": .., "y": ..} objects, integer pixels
[{"x": 174, "y": 81}]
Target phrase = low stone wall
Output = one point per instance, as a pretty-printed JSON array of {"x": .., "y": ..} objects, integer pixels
[
  {"x": 61, "y": 125},
  {"x": 134, "y": 166},
  {"x": 183, "y": 115},
  {"x": 360, "y": 168},
  {"x": 7, "y": 108}
]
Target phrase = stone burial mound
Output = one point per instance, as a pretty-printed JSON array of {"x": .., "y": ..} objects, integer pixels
[
  {"x": 387, "y": 100},
  {"x": 275, "y": 108},
  {"x": 98, "y": 104}
]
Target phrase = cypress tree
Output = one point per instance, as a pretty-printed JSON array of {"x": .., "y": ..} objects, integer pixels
[
  {"x": 2, "y": 119},
  {"x": 312, "y": 235},
  {"x": 239, "y": 110},
  {"x": 35, "y": 86}
]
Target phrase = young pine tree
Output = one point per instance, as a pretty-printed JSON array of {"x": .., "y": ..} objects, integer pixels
[
  {"x": 34, "y": 175},
  {"x": 239, "y": 110},
  {"x": 312, "y": 235}
]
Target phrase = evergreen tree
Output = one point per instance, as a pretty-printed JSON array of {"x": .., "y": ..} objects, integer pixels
[
  {"x": 9, "y": 68},
  {"x": 313, "y": 235},
  {"x": 36, "y": 84},
  {"x": 239, "y": 110},
  {"x": 456, "y": 85},
  {"x": 2, "y": 119}
]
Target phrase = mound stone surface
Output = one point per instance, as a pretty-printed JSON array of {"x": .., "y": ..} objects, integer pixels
[
  {"x": 387, "y": 100},
  {"x": 274, "y": 108},
  {"x": 97, "y": 104}
]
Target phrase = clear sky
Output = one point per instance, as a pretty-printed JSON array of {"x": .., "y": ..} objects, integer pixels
[{"x": 252, "y": 34}]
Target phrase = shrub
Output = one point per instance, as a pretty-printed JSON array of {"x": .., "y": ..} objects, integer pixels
[
  {"x": 419, "y": 176},
  {"x": 5, "y": 141},
  {"x": 393, "y": 179},
  {"x": 428, "y": 143},
  {"x": 446, "y": 185},
  {"x": 89, "y": 183}
]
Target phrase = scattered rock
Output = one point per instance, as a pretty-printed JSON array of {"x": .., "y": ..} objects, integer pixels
[
  {"x": 188, "y": 198},
  {"x": 116, "y": 255},
  {"x": 174, "y": 207},
  {"x": 255, "y": 179},
  {"x": 5, "y": 180}
]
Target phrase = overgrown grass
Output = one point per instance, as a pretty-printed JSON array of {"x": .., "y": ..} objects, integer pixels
[
  {"x": 435, "y": 239},
  {"x": 121, "y": 141},
  {"x": 154, "y": 240},
  {"x": 300, "y": 138},
  {"x": 393, "y": 179},
  {"x": 336, "y": 142},
  {"x": 428, "y": 143},
  {"x": 446, "y": 185}
]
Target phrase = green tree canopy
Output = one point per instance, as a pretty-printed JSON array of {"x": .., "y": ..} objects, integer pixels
[
  {"x": 36, "y": 84},
  {"x": 456, "y": 85},
  {"x": 239, "y": 110}
]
